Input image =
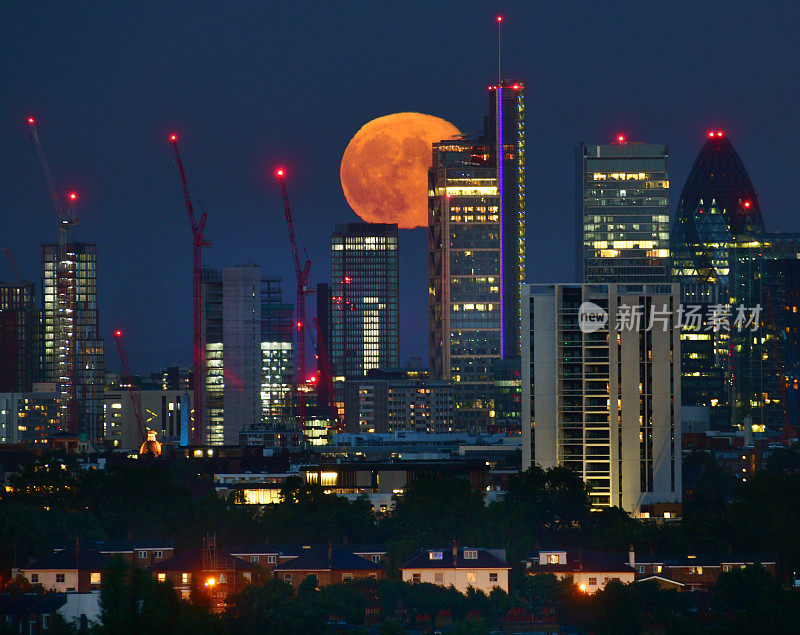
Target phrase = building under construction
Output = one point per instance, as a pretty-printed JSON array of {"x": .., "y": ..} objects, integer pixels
[{"x": 72, "y": 351}]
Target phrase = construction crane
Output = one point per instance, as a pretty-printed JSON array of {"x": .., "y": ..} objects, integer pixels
[
  {"x": 326, "y": 379},
  {"x": 64, "y": 342},
  {"x": 301, "y": 275},
  {"x": 135, "y": 396},
  {"x": 13, "y": 264},
  {"x": 198, "y": 242}
]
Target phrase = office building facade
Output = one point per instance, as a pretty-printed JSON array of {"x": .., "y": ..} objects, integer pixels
[
  {"x": 19, "y": 363},
  {"x": 277, "y": 352},
  {"x": 31, "y": 417},
  {"x": 506, "y": 136},
  {"x": 167, "y": 412},
  {"x": 622, "y": 212},
  {"x": 718, "y": 215},
  {"x": 465, "y": 318},
  {"x": 364, "y": 309},
  {"x": 602, "y": 397},
  {"x": 72, "y": 350}
]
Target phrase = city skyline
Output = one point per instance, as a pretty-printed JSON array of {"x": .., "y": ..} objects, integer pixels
[{"x": 119, "y": 159}]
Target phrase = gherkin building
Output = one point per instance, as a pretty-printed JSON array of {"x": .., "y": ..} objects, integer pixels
[{"x": 718, "y": 204}]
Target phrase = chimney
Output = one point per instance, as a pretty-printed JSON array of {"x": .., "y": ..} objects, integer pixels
[
  {"x": 631, "y": 557},
  {"x": 344, "y": 539},
  {"x": 330, "y": 555},
  {"x": 455, "y": 553}
]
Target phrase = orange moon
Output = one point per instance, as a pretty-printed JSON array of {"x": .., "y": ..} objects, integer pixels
[{"x": 384, "y": 169}]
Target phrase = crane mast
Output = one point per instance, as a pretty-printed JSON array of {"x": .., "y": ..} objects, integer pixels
[
  {"x": 64, "y": 346},
  {"x": 135, "y": 396},
  {"x": 327, "y": 379},
  {"x": 301, "y": 275},
  {"x": 198, "y": 356}
]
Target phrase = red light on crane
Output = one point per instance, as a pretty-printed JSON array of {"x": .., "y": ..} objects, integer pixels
[
  {"x": 73, "y": 196},
  {"x": 347, "y": 279},
  {"x": 515, "y": 87},
  {"x": 499, "y": 18},
  {"x": 710, "y": 134},
  {"x": 279, "y": 172},
  {"x": 173, "y": 138},
  {"x": 117, "y": 333},
  {"x": 719, "y": 133},
  {"x": 313, "y": 379},
  {"x": 621, "y": 138},
  {"x": 746, "y": 203},
  {"x": 299, "y": 325},
  {"x": 31, "y": 120}
]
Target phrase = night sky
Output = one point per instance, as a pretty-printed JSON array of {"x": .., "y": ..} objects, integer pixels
[{"x": 248, "y": 85}]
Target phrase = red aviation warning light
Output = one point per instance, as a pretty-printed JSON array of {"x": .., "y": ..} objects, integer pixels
[
  {"x": 499, "y": 18},
  {"x": 173, "y": 138},
  {"x": 746, "y": 203},
  {"x": 711, "y": 134},
  {"x": 719, "y": 133},
  {"x": 279, "y": 172},
  {"x": 31, "y": 120},
  {"x": 73, "y": 196},
  {"x": 621, "y": 138},
  {"x": 117, "y": 333}
]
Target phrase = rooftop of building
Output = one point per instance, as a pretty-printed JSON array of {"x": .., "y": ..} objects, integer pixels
[
  {"x": 31, "y": 603},
  {"x": 443, "y": 559},
  {"x": 196, "y": 560},
  {"x": 71, "y": 559},
  {"x": 324, "y": 558}
]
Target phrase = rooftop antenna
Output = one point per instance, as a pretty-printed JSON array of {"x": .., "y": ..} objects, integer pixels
[{"x": 499, "y": 22}]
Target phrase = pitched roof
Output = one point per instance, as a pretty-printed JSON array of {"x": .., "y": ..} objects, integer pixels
[
  {"x": 124, "y": 544},
  {"x": 281, "y": 550},
  {"x": 31, "y": 603},
  {"x": 487, "y": 559},
  {"x": 194, "y": 560},
  {"x": 703, "y": 559},
  {"x": 590, "y": 561},
  {"x": 316, "y": 559},
  {"x": 82, "y": 560}
]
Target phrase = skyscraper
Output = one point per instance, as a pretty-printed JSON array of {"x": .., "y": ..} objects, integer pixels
[
  {"x": 602, "y": 397},
  {"x": 72, "y": 355},
  {"x": 622, "y": 212},
  {"x": 277, "y": 352},
  {"x": 505, "y": 132},
  {"x": 247, "y": 330},
  {"x": 241, "y": 349},
  {"x": 464, "y": 268},
  {"x": 718, "y": 208},
  {"x": 18, "y": 336},
  {"x": 364, "y": 313}
]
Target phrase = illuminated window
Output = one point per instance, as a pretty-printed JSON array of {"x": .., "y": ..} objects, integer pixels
[
  {"x": 162, "y": 577},
  {"x": 94, "y": 577},
  {"x": 470, "y": 576},
  {"x": 470, "y": 555},
  {"x": 552, "y": 558},
  {"x": 184, "y": 578}
]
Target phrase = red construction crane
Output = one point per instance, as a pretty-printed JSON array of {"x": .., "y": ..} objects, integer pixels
[
  {"x": 135, "y": 396},
  {"x": 13, "y": 264},
  {"x": 301, "y": 274},
  {"x": 199, "y": 357},
  {"x": 327, "y": 379},
  {"x": 64, "y": 355}
]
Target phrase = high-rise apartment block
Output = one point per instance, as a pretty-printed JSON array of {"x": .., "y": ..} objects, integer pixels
[
  {"x": 19, "y": 332},
  {"x": 364, "y": 310},
  {"x": 601, "y": 390},
  {"x": 247, "y": 331},
  {"x": 72, "y": 355},
  {"x": 622, "y": 212},
  {"x": 465, "y": 315}
]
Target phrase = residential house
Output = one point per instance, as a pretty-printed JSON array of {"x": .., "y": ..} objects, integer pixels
[
  {"x": 67, "y": 570},
  {"x": 459, "y": 567},
  {"x": 692, "y": 572},
  {"x": 589, "y": 570},
  {"x": 330, "y": 566},
  {"x": 142, "y": 553},
  {"x": 208, "y": 570}
]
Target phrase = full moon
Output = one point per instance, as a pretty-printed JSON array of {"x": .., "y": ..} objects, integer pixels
[{"x": 384, "y": 169}]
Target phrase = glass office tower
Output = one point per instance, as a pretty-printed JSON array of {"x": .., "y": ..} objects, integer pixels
[
  {"x": 18, "y": 336},
  {"x": 622, "y": 212},
  {"x": 364, "y": 308},
  {"x": 465, "y": 294},
  {"x": 505, "y": 132},
  {"x": 718, "y": 209},
  {"x": 72, "y": 355},
  {"x": 277, "y": 352}
]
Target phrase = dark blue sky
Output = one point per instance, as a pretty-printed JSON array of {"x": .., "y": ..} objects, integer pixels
[{"x": 251, "y": 84}]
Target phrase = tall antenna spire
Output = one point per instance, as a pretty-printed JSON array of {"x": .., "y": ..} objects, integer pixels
[{"x": 499, "y": 22}]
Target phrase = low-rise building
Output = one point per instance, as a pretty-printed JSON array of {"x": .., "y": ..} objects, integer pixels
[
  {"x": 459, "y": 567},
  {"x": 142, "y": 553},
  {"x": 694, "y": 572},
  {"x": 207, "y": 570},
  {"x": 330, "y": 565},
  {"x": 67, "y": 570},
  {"x": 589, "y": 570}
]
